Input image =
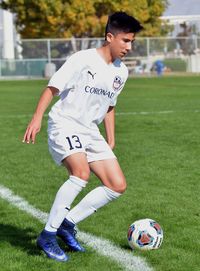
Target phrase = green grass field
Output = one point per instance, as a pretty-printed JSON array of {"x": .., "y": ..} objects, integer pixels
[{"x": 158, "y": 151}]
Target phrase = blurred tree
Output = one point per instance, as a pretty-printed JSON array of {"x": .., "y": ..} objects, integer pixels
[{"x": 67, "y": 18}]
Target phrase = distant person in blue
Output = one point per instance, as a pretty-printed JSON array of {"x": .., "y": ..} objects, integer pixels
[{"x": 159, "y": 67}]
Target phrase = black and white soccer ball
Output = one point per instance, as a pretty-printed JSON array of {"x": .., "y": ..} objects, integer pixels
[{"x": 145, "y": 234}]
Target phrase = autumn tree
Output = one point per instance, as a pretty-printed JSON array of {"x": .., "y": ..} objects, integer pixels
[{"x": 67, "y": 18}]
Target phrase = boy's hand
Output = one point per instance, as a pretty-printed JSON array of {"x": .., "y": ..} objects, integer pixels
[
  {"x": 35, "y": 124},
  {"x": 31, "y": 131}
]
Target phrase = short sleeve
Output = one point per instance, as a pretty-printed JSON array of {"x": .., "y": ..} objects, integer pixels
[
  {"x": 66, "y": 73},
  {"x": 113, "y": 101}
]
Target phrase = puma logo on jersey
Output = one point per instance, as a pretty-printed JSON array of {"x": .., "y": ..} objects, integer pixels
[{"x": 92, "y": 74}]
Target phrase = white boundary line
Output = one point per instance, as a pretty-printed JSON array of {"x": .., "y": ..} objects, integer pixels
[
  {"x": 155, "y": 112},
  {"x": 102, "y": 246},
  {"x": 143, "y": 113}
]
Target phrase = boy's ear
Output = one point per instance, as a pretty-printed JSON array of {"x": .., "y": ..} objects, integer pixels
[{"x": 109, "y": 37}]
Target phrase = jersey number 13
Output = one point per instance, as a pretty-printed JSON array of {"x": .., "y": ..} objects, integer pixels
[{"x": 74, "y": 142}]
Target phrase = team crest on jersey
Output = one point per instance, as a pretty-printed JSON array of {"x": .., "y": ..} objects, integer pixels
[{"x": 117, "y": 83}]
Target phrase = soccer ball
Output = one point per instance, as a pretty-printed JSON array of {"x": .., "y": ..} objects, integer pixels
[{"x": 145, "y": 234}]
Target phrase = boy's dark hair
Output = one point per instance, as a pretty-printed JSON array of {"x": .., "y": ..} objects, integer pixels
[{"x": 122, "y": 22}]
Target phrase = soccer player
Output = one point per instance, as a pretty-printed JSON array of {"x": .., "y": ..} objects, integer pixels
[{"x": 88, "y": 85}]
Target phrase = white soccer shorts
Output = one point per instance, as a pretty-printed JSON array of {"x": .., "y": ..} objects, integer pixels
[{"x": 64, "y": 142}]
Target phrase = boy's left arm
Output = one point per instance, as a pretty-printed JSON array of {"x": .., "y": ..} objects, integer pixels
[{"x": 109, "y": 124}]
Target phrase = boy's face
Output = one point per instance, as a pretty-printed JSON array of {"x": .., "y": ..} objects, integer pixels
[{"x": 120, "y": 44}]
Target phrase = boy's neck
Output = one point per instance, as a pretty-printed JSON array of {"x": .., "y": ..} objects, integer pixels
[{"x": 105, "y": 53}]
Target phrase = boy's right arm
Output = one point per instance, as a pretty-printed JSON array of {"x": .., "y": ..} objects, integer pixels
[{"x": 35, "y": 124}]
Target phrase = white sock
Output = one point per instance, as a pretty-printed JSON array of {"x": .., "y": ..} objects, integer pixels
[
  {"x": 63, "y": 200},
  {"x": 94, "y": 200}
]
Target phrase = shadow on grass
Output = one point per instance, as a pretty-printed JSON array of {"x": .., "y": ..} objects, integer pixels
[
  {"x": 24, "y": 239},
  {"x": 126, "y": 247}
]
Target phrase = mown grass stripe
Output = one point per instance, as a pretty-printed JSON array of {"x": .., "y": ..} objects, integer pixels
[{"x": 9, "y": 116}]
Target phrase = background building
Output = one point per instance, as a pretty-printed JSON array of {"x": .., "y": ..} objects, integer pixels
[
  {"x": 7, "y": 34},
  {"x": 183, "y": 13}
]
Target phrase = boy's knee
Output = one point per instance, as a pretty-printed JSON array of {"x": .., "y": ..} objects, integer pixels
[
  {"x": 83, "y": 174},
  {"x": 119, "y": 186},
  {"x": 123, "y": 188}
]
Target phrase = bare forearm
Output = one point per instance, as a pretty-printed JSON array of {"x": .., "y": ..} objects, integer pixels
[
  {"x": 109, "y": 124},
  {"x": 35, "y": 124},
  {"x": 44, "y": 101}
]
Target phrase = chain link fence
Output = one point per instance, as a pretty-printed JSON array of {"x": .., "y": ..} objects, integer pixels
[{"x": 40, "y": 58}]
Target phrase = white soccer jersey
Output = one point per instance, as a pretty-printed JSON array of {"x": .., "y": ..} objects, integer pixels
[{"x": 87, "y": 87}]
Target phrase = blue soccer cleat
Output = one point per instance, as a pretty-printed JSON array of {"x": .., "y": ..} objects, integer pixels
[
  {"x": 67, "y": 233},
  {"x": 47, "y": 242}
]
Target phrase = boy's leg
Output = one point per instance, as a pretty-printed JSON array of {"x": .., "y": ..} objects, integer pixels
[
  {"x": 76, "y": 163},
  {"x": 62, "y": 203},
  {"x": 114, "y": 184},
  {"x": 107, "y": 169}
]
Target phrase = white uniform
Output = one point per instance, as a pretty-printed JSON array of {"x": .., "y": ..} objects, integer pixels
[{"x": 87, "y": 87}]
